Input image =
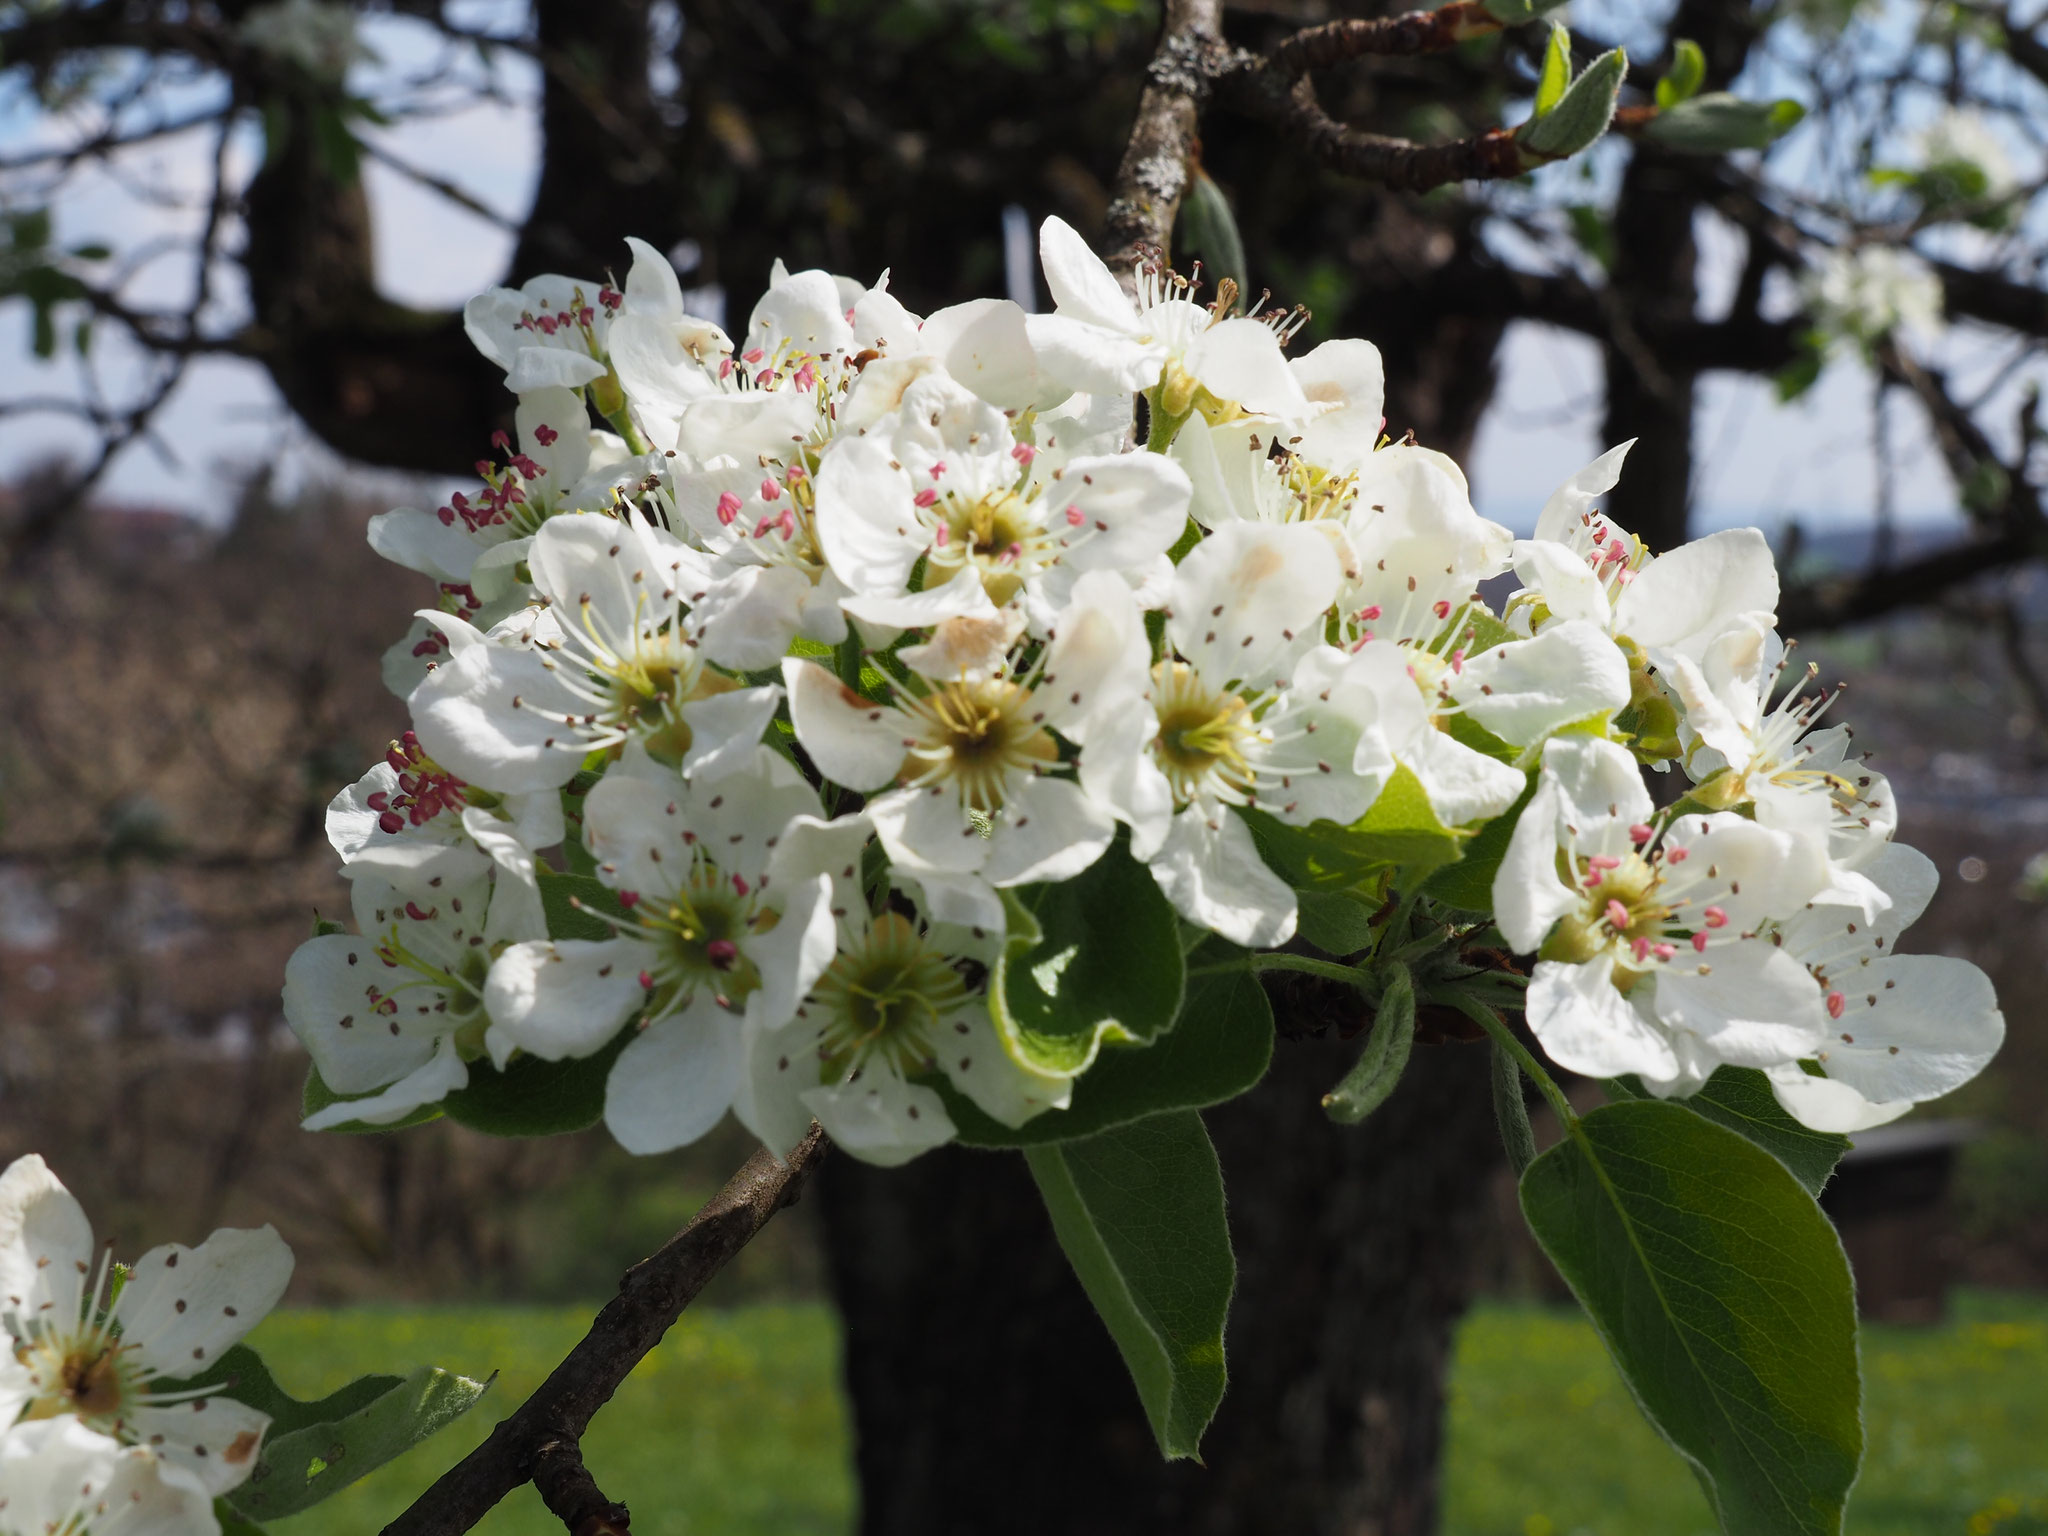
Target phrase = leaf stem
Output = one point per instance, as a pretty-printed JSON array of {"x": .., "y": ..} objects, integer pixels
[
  {"x": 1329, "y": 970},
  {"x": 1504, "y": 1037}
]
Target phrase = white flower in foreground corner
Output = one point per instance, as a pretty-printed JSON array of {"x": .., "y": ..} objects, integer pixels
[
  {"x": 393, "y": 1015},
  {"x": 1649, "y": 955},
  {"x": 616, "y": 660},
  {"x": 979, "y": 797},
  {"x": 1101, "y": 342},
  {"x": 1255, "y": 712},
  {"x": 57, "y": 1476},
  {"x": 180, "y": 1311},
  {"x": 1901, "y": 1028},
  {"x": 898, "y": 1002},
  {"x": 728, "y": 890}
]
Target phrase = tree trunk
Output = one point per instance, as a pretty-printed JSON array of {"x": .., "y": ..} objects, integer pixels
[{"x": 988, "y": 1398}]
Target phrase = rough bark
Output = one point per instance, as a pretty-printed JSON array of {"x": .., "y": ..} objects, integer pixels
[{"x": 988, "y": 1397}]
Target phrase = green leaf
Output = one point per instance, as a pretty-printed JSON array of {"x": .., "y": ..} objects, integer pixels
[
  {"x": 1218, "y": 1048},
  {"x": 1400, "y": 831},
  {"x": 1511, "y": 1110},
  {"x": 559, "y": 895},
  {"x": 1468, "y": 884},
  {"x": 1556, "y": 73},
  {"x": 1595, "y": 233},
  {"x": 1336, "y": 923},
  {"x": 316, "y": 1096},
  {"x": 1719, "y": 122},
  {"x": 1094, "y": 959},
  {"x": 1740, "y": 1098},
  {"x": 1803, "y": 372},
  {"x": 307, "y": 1463},
  {"x": 232, "y": 1523},
  {"x": 532, "y": 1097},
  {"x": 1722, "y": 1293},
  {"x": 1581, "y": 114},
  {"x": 1687, "y": 74},
  {"x": 241, "y": 1374},
  {"x": 1366, "y": 1086},
  {"x": 1139, "y": 1211},
  {"x": 1209, "y": 228}
]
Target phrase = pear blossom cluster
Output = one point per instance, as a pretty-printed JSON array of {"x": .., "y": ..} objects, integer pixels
[
  {"x": 111, "y": 1418},
  {"x": 809, "y": 651}
]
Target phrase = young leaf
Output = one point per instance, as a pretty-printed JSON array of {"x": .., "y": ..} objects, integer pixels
[
  {"x": 1139, "y": 1212},
  {"x": 1556, "y": 73},
  {"x": 1581, "y": 114},
  {"x": 1209, "y": 228},
  {"x": 1688, "y": 73},
  {"x": 559, "y": 895},
  {"x": 1104, "y": 963},
  {"x": 1718, "y": 122},
  {"x": 303, "y": 1465},
  {"x": 1366, "y": 1086},
  {"x": 1511, "y": 1111},
  {"x": 1468, "y": 884},
  {"x": 1722, "y": 1293},
  {"x": 1740, "y": 1098},
  {"x": 532, "y": 1097},
  {"x": 1218, "y": 1048},
  {"x": 1400, "y": 831}
]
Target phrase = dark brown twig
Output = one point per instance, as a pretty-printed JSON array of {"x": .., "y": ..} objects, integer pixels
[
  {"x": 571, "y": 1493},
  {"x": 1153, "y": 175},
  {"x": 651, "y": 1297},
  {"x": 1382, "y": 36}
]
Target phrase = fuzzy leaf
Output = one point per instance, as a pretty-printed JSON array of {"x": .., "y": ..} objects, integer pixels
[
  {"x": 1687, "y": 74},
  {"x": 1366, "y": 1086},
  {"x": 1139, "y": 1212},
  {"x": 1556, "y": 73},
  {"x": 1581, "y": 114},
  {"x": 1719, "y": 122},
  {"x": 1208, "y": 227},
  {"x": 1722, "y": 1293}
]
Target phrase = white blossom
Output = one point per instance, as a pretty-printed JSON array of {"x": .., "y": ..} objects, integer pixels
[
  {"x": 1867, "y": 292},
  {"x": 549, "y": 333},
  {"x": 179, "y": 1311},
  {"x": 56, "y": 1475}
]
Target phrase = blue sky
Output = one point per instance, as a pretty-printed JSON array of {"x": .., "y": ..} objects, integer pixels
[{"x": 1758, "y": 461}]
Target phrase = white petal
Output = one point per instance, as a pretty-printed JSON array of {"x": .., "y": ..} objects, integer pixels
[
  {"x": 853, "y": 740},
  {"x": 746, "y": 621},
  {"x": 1755, "y": 1007},
  {"x": 1093, "y": 359},
  {"x": 1463, "y": 784},
  {"x": 805, "y": 312},
  {"x": 1528, "y": 893},
  {"x": 46, "y": 1247},
  {"x": 561, "y": 999},
  {"x": 443, "y": 1074},
  {"x": 778, "y": 1068},
  {"x": 492, "y": 715},
  {"x": 1822, "y": 1104},
  {"x": 675, "y": 1080},
  {"x": 652, "y": 287},
  {"x": 1049, "y": 830},
  {"x": 421, "y": 542},
  {"x": 1347, "y": 379},
  {"x": 1681, "y": 600},
  {"x": 1245, "y": 595},
  {"x": 926, "y": 829},
  {"x": 1212, "y": 873},
  {"x": 1933, "y": 1026},
  {"x": 793, "y": 954},
  {"x": 1600, "y": 787},
  {"x": 563, "y": 461},
  {"x": 1559, "y": 519},
  {"x": 551, "y": 368},
  {"x": 1120, "y": 773},
  {"x": 881, "y": 1119},
  {"x": 745, "y": 426},
  {"x": 966, "y": 902},
  {"x": 1240, "y": 359},
  {"x": 963, "y": 597},
  {"x": 867, "y": 524},
  {"x": 634, "y": 826},
  {"x": 209, "y": 1442},
  {"x": 1099, "y": 662},
  {"x": 1133, "y": 506},
  {"x": 1563, "y": 580},
  {"x": 1080, "y": 284},
  {"x": 1001, "y": 1087},
  {"x": 327, "y": 983},
  {"x": 1776, "y": 873},
  {"x": 183, "y": 1308},
  {"x": 984, "y": 344},
  {"x": 1525, "y": 690},
  {"x": 726, "y": 730},
  {"x": 1584, "y": 1025}
]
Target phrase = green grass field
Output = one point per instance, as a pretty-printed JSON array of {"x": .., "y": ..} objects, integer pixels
[{"x": 734, "y": 1427}]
